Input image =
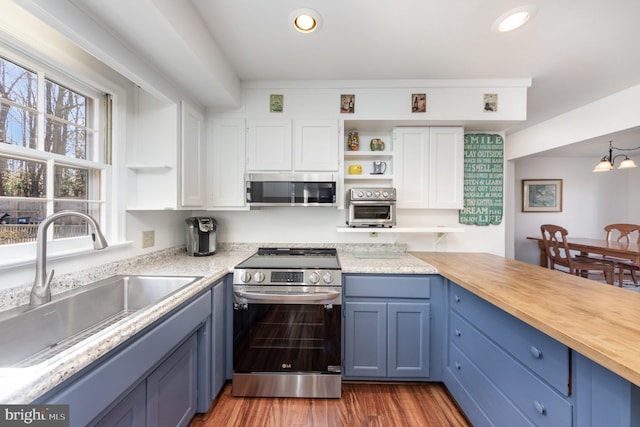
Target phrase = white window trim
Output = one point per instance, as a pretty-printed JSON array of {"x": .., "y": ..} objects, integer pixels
[{"x": 113, "y": 212}]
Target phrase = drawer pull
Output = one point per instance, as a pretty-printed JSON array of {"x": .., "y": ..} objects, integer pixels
[
  {"x": 535, "y": 352},
  {"x": 457, "y": 365},
  {"x": 457, "y": 298},
  {"x": 539, "y": 408},
  {"x": 458, "y": 332}
]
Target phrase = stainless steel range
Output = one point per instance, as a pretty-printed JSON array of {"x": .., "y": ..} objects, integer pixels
[{"x": 286, "y": 323}]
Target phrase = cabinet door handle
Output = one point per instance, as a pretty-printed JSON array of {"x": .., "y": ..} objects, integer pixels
[
  {"x": 539, "y": 407},
  {"x": 458, "y": 332},
  {"x": 535, "y": 352},
  {"x": 457, "y": 298},
  {"x": 457, "y": 365}
]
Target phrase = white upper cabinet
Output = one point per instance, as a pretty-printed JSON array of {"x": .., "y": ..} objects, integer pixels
[
  {"x": 165, "y": 169},
  {"x": 152, "y": 156},
  {"x": 315, "y": 145},
  {"x": 285, "y": 146},
  {"x": 227, "y": 160},
  {"x": 411, "y": 149},
  {"x": 269, "y": 145},
  {"x": 192, "y": 174},
  {"x": 446, "y": 171},
  {"x": 429, "y": 167}
]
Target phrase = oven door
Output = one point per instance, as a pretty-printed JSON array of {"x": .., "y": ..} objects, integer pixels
[
  {"x": 293, "y": 331},
  {"x": 371, "y": 214},
  {"x": 286, "y": 348}
]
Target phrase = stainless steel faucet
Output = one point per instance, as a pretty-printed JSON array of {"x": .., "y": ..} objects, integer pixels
[{"x": 41, "y": 291}]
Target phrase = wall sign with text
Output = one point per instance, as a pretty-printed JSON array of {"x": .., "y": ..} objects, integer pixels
[{"x": 483, "y": 179}]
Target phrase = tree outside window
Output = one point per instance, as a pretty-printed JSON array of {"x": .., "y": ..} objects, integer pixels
[{"x": 52, "y": 132}]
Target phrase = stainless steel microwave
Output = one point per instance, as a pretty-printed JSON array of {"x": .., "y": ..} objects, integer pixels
[{"x": 290, "y": 189}]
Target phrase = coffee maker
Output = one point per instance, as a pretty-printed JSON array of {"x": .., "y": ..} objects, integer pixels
[{"x": 201, "y": 236}]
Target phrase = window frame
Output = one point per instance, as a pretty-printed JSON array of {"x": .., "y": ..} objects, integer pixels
[{"x": 84, "y": 82}]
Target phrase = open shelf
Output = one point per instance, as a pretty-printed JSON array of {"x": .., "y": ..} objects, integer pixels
[
  {"x": 440, "y": 232},
  {"x": 149, "y": 168}
]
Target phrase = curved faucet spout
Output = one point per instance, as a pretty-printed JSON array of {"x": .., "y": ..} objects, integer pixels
[{"x": 41, "y": 290}]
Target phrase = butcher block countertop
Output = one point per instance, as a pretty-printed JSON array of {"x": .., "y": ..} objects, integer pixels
[{"x": 600, "y": 321}]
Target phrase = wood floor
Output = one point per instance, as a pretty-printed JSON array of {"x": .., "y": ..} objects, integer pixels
[{"x": 366, "y": 405}]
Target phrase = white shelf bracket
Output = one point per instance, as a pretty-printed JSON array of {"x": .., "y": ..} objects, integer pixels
[{"x": 440, "y": 236}]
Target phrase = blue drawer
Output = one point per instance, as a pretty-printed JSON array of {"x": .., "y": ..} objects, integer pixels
[
  {"x": 535, "y": 398},
  {"x": 387, "y": 286},
  {"x": 484, "y": 394},
  {"x": 536, "y": 350}
]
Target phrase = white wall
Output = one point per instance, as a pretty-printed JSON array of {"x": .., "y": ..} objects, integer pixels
[
  {"x": 22, "y": 32},
  {"x": 319, "y": 225},
  {"x": 448, "y": 101},
  {"x": 614, "y": 113},
  {"x": 388, "y": 103},
  {"x": 590, "y": 200}
]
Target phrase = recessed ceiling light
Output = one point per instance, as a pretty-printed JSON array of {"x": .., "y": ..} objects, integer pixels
[
  {"x": 514, "y": 19},
  {"x": 305, "y": 20}
]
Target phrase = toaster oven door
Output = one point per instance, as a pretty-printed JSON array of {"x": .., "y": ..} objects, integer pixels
[{"x": 371, "y": 214}]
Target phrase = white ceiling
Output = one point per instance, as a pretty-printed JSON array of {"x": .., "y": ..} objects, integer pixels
[{"x": 575, "y": 51}]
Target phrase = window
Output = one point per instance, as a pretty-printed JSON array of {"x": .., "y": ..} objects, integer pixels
[{"x": 52, "y": 154}]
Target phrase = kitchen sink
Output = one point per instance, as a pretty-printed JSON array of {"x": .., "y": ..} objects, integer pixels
[{"x": 33, "y": 336}]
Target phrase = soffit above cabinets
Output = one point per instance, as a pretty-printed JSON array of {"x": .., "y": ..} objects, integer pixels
[{"x": 575, "y": 51}]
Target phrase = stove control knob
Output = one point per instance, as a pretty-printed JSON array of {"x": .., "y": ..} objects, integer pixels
[
  {"x": 245, "y": 277},
  {"x": 377, "y": 194},
  {"x": 360, "y": 194},
  {"x": 327, "y": 278},
  {"x": 385, "y": 194},
  {"x": 314, "y": 278},
  {"x": 369, "y": 194},
  {"x": 259, "y": 277}
]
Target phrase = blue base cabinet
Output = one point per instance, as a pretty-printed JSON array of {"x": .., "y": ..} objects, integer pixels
[
  {"x": 168, "y": 396},
  {"x": 218, "y": 336},
  {"x": 365, "y": 346},
  {"x": 131, "y": 411},
  {"x": 602, "y": 397},
  {"x": 160, "y": 364},
  {"x": 502, "y": 371},
  {"x": 388, "y": 327},
  {"x": 172, "y": 389}
]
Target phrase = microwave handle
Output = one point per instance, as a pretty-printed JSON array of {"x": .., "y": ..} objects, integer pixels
[{"x": 248, "y": 191}]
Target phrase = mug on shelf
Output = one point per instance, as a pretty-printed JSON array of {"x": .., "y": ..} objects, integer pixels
[
  {"x": 376, "y": 144},
  {"x": 355, "y": 169},
  {"x": 379, "y": 167}
]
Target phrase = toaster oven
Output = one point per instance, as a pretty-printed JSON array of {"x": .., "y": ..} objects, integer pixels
[{"x": 371, "y": 207}]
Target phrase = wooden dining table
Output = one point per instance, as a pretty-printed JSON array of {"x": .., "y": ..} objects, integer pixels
[{"x": 585, "y": 246}]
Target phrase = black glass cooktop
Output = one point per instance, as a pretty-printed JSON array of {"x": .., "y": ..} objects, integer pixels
[{"x": 293, "y": 258}]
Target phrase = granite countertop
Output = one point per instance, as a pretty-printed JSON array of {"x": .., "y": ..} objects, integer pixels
[
  {"x": 385, "y": 263},
  {"x": 567, "y": 308},
  {"x": 23, "y": 385}
]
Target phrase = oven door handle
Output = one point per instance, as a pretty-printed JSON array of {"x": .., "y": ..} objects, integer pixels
[{"x": 300, "y": 297}]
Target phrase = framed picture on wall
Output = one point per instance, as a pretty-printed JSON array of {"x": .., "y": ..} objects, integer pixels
[
  {"x": 276, "y": 103},
  {"x": 490, "y": 102},
  {"x": 541, "y": 195},
  {"x": 347, "y": 104},
  {"x": 418, "y": 102}
]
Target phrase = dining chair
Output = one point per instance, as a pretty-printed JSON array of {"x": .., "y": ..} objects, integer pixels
[
  {"x": 623, "y": 234},
  {"x": 558, "y": 253}
]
